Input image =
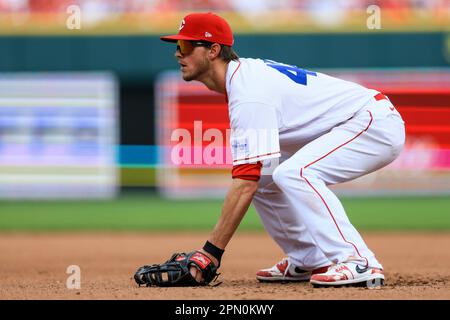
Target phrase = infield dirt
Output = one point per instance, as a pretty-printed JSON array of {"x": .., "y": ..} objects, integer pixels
[{"x": 33, "y": 266}]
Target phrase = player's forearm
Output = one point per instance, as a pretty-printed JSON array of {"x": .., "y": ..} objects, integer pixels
[{"x": 235, "y": 206}]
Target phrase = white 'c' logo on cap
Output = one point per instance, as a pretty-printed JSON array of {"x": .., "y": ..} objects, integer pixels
[{"x": 182, "y": 24}]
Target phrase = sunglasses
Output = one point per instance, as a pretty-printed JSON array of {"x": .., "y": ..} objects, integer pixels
[{"x": 186, "y": 46}]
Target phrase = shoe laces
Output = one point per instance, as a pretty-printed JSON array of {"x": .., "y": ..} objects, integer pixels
[{"x": 339, "y": 267}]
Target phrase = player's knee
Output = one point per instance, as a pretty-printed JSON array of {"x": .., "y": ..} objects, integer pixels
[
  {"x": 287, "y": 172},
  {"x": 281, "y": 174},
  {"x": 277, "y": 175}
]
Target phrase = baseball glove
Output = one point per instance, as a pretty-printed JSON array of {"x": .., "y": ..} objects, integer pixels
[{"x": 175, "y": 272}]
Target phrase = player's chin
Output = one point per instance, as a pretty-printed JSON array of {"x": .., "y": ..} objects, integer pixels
[{"x": 187, "y": 77}]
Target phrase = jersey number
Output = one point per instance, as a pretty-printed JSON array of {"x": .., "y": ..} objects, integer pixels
[{"x": 294, "y": 73}]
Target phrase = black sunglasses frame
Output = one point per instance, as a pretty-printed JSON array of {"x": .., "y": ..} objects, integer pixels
[{"x": 202, "y": 44}]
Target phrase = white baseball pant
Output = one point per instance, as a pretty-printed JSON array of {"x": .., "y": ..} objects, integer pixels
[{"x": 302, "y": 214}]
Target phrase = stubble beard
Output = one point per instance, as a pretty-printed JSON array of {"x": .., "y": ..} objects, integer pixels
[{"x": 202, "y": 68}]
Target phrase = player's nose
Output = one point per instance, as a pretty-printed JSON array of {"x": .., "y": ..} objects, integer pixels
[{"x": 178, "y": 54}]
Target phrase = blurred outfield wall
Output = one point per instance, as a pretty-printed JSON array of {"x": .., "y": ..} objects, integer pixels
[{"x": 193, "y": 136}]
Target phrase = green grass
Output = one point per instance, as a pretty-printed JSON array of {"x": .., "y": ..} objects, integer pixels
[{"x": 141, "y": 212}]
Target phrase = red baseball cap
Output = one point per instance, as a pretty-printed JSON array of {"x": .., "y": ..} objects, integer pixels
[{"x": 203, "y": 26}]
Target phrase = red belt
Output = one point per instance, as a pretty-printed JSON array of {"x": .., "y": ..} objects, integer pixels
[{"x": 380, "y": 96}]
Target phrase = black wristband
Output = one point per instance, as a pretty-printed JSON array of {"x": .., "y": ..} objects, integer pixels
[{"x": 214, "y": 251}]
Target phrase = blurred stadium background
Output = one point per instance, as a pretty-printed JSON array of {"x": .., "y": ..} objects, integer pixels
[{"x": 90, "y": 98}]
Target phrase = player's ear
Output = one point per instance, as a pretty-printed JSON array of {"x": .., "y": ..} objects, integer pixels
[{"x": 214, "y": 51}]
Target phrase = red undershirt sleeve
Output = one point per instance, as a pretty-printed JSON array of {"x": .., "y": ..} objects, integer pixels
[{"x": 247, "y": 171}]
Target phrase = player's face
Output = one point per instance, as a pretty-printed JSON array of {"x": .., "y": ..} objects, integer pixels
[{"x": 192, "y": 59}]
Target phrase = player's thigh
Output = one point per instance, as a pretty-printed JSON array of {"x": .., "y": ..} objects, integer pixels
[{"x": 362, "y": 145}]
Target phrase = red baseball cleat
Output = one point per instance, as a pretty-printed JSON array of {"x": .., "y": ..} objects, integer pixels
[
  {"x": 285, "y": 271},
  {"x": 349, "y": 274}
]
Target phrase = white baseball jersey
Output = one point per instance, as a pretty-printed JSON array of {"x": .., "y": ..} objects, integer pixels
[
  {"x": 274, "y": 105},
  {"x": 326, "y": 131}
]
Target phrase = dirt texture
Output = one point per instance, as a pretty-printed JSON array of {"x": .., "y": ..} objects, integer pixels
[{"x": 34, "y": 266}]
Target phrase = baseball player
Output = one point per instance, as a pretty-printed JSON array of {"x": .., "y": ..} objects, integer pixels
[{"x": 321, "y": 130}]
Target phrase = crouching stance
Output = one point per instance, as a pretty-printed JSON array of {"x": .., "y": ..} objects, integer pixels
[{"x": 320, "y": 129}]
